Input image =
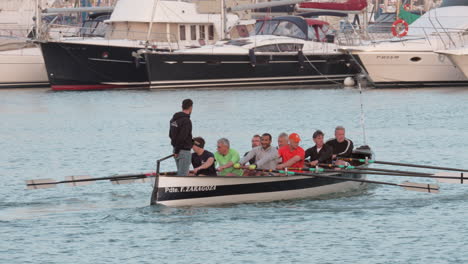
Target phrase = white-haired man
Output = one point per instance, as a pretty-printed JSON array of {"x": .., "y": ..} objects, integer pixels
[
  {"x": 342, "y": 146},
  {"x": 225, "y": 158}
]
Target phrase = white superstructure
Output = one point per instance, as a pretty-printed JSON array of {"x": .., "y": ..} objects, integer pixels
[{"x": 412, "y": 59}]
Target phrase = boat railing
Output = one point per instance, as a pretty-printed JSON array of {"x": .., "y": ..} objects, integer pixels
[
  {"x": 449, "y": 39},
  {"x": 14, "y": 31},
  {"x": 154, "y": 194},
  {"x": 355, "y": 36},
  {"x": 437, "y": 38},
  {"x": 164, "y": 41}
]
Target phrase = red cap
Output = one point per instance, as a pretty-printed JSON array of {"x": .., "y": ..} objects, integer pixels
[{"x": 295, "y": 137}]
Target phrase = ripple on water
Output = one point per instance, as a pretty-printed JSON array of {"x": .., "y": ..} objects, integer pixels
[{"x": 53, "y": 135}]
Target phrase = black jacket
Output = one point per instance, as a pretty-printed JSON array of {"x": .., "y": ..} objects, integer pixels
[
  {"x": 343, "y": 149},
  {"x": 323, "y": 156},
  {"x": 180, "y": 132}
]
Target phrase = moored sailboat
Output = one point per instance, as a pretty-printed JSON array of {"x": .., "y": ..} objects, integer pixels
[
  {"x": 23, "y": 67},
  {"x": 106, "y": 61},
  {"x": 283, "y": 50}
]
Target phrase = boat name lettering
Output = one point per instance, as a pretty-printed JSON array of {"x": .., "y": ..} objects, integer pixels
[
  {"x": 388, "y": 57},
  {"x": 190, "y": 189}
]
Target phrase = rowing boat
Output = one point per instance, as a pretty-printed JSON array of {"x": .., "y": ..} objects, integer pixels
[{"x": 172, "y": 190}]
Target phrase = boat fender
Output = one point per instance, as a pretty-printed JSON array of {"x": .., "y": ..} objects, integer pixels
[
  {"x": 252, "y": 57},
  {"x": 137, "y": 62},
  {"x": 395, "y": 25},
  {"x": 301, "y": 58}
]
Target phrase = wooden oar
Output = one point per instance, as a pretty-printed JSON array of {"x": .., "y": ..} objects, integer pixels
[
  {"x": 402, "y": 164},
  {"x": 345, "y": 169},
  {"x": 410, "y": 186},
  {"x": 369, "y": 169},
  {"x": 85, "y": 180},
  {"x": 447, "y": 177}
]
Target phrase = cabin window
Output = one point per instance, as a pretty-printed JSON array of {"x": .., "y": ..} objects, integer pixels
[
  {"x": 211, "y": 32},
  {"x": 267, "y": 48},
  {"x": 288, "y": 29},
  {"x": 193, "y": 32},
  {"x": 182, "y": 33},
  {"x": 238, "y": 42},
  {"x": 202, "y": 32},
  {"x": 290, "y": 47},
  {"x": 321, "y": 33},
  {"x": 266, "y": 28},
  {"x": 312, "y": 33},
  {"x": 242, "y": 31}
]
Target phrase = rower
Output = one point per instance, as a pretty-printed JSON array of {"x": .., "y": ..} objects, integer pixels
[
  {"x": 256, "y": 141},
  {"x": 292, "y": 155},
  {"x": 225, "y": 158},
  {"x": 320, "y": 153},
  {"x": 202, "y": 160},
  {"x": 265, "y": 155},
  {"x": 282, "y": 140},
  {"x": 342, "y": 147}
]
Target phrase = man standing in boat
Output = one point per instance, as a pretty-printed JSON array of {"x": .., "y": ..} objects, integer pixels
[
  {"x": 202, "y": 160},
  {"x": 320, "y": 153},
  {"x": 180, "y": 132},
  {"x": 266, "y": 156},
  {"x": 292, "y": 155},
  {"x": 342, "y": 146}
]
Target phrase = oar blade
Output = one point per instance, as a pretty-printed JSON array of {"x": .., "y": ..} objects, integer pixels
[
  {"x": 79, "y": 180},
  {"x": 40, "y": 184},
  {"x": 123, "y": 181},
  {"x": 420, "y": 187},
  {"x": 452, "y": 177},
  {"x": 130, "y": 180},
  {"x": 143, "y": 180}
]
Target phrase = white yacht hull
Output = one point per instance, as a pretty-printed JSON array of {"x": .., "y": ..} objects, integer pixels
[
  {"x": 409, "y": 67},
  {"x": 22, "y": 68},
  {"x": 461, "y": 61}
]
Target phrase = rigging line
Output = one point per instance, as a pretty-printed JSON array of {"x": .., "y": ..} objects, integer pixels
[
  {"x": 315, "y": 68},
  {"x": 362, "y": 121}
]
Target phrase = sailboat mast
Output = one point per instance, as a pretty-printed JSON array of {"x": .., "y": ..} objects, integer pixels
[
  {"x": 150, "y": 28},
  {"x": 223, "y": 19},
  {"x": 38, "y": 18},
  {"x": 365, "y": 18}
]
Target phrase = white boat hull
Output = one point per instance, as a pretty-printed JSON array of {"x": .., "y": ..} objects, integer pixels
[
  {"x": 409, "y": 67},
  {"x": 22, "y": 68},
  {"x": 205, "y": 191},
  {"x": 461, "y": 61}
]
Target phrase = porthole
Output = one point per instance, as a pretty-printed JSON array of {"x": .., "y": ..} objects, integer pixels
[{"x": 415, "y": 59}]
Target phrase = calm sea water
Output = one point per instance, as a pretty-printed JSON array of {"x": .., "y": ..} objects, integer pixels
[{"x": 52, "y": 135}]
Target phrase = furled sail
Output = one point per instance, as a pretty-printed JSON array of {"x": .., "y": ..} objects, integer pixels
[{"x": 349, "y": 5}]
